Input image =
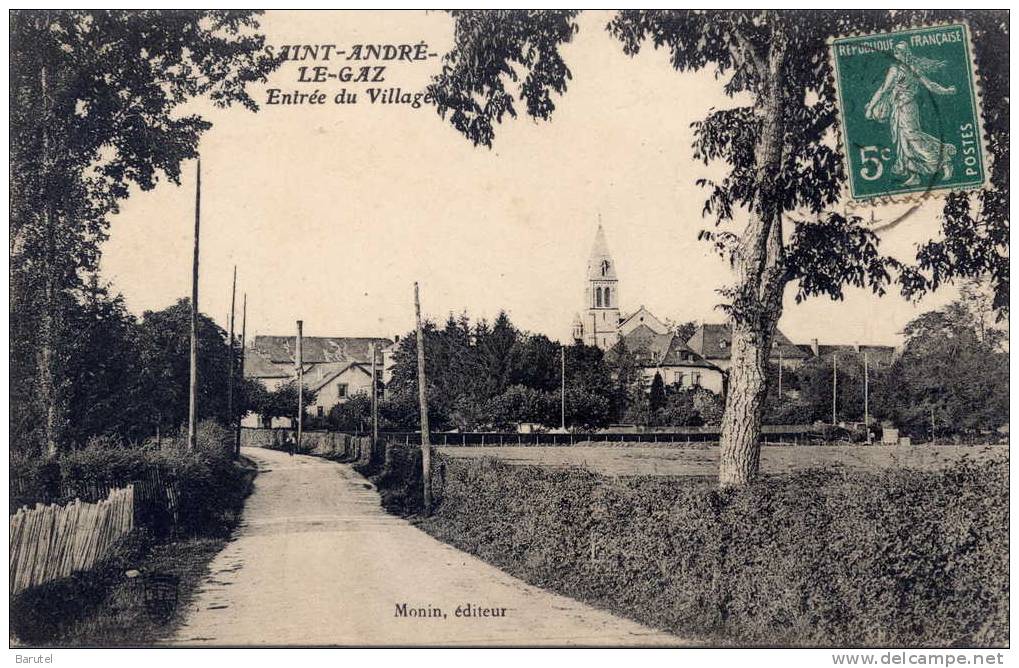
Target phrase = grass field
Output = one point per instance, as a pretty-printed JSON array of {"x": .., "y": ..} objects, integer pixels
[{"x": 702, "y": 460}]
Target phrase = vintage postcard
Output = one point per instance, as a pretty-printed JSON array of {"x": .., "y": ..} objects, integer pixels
[{"x": 510, "y": 328}]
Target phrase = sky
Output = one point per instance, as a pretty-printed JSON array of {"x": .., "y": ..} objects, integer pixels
[{"x": 332, "y": 212}]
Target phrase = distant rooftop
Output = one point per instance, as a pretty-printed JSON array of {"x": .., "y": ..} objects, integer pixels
[
  {"x": 714, "y": 342},
  {"x": 317, "y": 349}
]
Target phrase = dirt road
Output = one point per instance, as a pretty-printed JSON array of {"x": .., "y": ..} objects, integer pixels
[{"x": 316, "y": 561}]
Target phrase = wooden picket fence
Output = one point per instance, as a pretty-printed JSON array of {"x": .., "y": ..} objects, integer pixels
[{"x": 51, "y": 542}]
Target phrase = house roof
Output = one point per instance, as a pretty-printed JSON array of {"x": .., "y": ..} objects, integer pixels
[
  {"x": 330, "y": 377},
  {"x": 881, "y": 354},
  {"x": 714, "y": 342},
  {"x": 317, "y": 349},
  {"x": 660, "y": 350},
  {"x": 257, "y": 365}
]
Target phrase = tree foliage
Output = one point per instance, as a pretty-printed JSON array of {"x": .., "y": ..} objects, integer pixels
[
  {"x": 493, "y": 376},
  {"x": 687, "y": 407},
  {"x": 657, "y": 397},
  {"x": 280, "y": 402},
  {"x": 953, "y": 368},
  {"x": 95, "y": 110},
  {"x": 128, "y": 378}
]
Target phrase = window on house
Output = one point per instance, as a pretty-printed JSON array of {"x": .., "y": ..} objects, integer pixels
[
  {"x": 320, "y": 411},
  {"x": 341, "y": 390},
  {"x": 679, "y": 377},
  {"x": 696, "y": 380}
]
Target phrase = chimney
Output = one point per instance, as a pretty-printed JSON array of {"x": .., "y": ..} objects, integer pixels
[
  {"x": 856, "y": 346},
  {"x": 814, "y": 347}
]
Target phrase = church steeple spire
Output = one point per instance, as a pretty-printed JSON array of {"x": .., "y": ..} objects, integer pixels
[
  {"x": 601, "y": 294},
  {"x": 600, "y": 264}
]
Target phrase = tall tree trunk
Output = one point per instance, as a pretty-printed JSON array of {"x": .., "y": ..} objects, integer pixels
[{"x": 757, "y": 302}]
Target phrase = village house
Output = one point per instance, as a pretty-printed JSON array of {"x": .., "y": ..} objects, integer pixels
[
  {"x": 335, "y": 368},
  {"x": 666, "y": 354}
]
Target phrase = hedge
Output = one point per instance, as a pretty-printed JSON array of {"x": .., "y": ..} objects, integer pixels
[
  {"x": 210, "y": 484},
  {"x": 818, "y": 558}
]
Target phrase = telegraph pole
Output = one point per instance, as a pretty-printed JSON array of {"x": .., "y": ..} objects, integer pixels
[
  {"x": 866, "y": 398},
  {"x": 834, "y": 384},
  {"x": 233, "y": 353},
  {"x": 193, "y": 383},
  {"x": 375, "y": 400},
  {"x": 426, "y": 448},
  {"x": 562, "y": 394},
  {"x": 780, "y": 375},
  {"x": 300, "y": 384},
  {"x": 244, "y": 328}
]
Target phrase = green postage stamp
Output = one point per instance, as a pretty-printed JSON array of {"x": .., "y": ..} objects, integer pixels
[{"x": 909, "y": 111}]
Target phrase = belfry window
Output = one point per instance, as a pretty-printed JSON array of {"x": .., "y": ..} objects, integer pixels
[
  {"x": 607, "y": 300},
  {"x": 597, "y": 297}
]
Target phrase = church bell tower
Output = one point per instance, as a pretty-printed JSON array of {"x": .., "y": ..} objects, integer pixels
[{"x": 601, "y": 314}]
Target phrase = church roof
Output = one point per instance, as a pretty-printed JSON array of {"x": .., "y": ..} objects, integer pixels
[
  {"x": 600, "y": 265},
  {"x": 645, "y": 316}
]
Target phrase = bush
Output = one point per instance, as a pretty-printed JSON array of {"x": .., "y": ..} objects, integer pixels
[
  {"x": 398, "y": 476},
  {"x": 897, "y": 558},
  {"x": 400, "y": 482},
  {"x": 211, "y": 487},
  {"x": 352, "y": 415}
]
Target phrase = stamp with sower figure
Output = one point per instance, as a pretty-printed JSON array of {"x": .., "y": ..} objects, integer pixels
[{"x": 909, "y": 111}]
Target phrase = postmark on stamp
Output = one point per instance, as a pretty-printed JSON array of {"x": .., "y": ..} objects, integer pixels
[{"x": 909, "y": 111}]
